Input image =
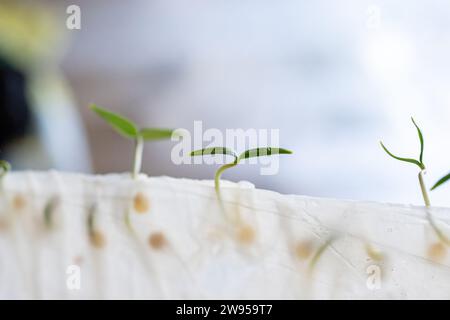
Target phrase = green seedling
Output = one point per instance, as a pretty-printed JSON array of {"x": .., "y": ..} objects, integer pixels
[
  {"x": 130, "y": 130},
  {"x": 441, "y": 181},
  {"x": 417, "y": 162},
  {"x": 252, "y": 153}
]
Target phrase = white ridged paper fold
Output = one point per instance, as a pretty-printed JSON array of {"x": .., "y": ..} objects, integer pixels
[{"x": 73, "y": 236}]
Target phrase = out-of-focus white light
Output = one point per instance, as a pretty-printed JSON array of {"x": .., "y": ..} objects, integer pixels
[{"x": 389, "y": 56}]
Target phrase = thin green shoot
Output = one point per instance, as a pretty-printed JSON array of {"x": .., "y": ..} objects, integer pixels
[{"x": 441, "y": 181}]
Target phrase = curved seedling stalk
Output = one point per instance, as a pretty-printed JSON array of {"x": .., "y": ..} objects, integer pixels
[
  {"x": 320, "y": 251},
  {"x": 128, "y": 129},
  {"x": 251, "y": 153},
  {"x": 417, "y": 162},
  {"x": 441, "y": 181}
]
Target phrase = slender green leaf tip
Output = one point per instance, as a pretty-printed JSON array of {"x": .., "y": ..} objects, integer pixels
[
  {"x": 413, "y": 161},
  {"x": 419, "y": 132},
  {"x": 120, "y": 124},
  {"x": 441, "y": 181}
]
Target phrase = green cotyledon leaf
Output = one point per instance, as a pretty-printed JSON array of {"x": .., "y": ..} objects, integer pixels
[
  {"x": 419, "y": 132},
  {"x": 213, "y": 151},
  {"x": 155, "y": 133},
  {"x": 261, "y": 152},
  {"x": 120, "y": 124},
  {"x": 413, "y": 161}
]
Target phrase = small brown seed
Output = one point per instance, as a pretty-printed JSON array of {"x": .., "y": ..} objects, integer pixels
[
  {"x": 374, "y": 253},
  {"x": 437, "y": 252},
  {"x": 19, "y": 202},
  {"x": 303, "y": 249},
  {"x": 78, "y": 260},
  {"x": 141, "y": 203},
  {"x": 246, "y": 234},
  {"x": 157, "y": 240},
  {"x": 97, "y": 239}
]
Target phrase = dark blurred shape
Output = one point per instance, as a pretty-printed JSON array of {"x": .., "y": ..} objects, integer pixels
[{"x": 15, "y": 115}]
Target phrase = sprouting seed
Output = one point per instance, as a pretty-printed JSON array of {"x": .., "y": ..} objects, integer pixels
[
  {"x": 140, "y": 203},
  {"x": 304, "y": 249},
  {"x": 373, "y": 252},
  {"x": 157, "y": 240},
  {"x": 437, "y": 252},
  {"x": 252, "y": 153},
  {"x": 130, "y": 130},
  {"x": 441, "y": 181},
  {"x": 418, "y": 162},
  {"x": 96, "y": 237}
]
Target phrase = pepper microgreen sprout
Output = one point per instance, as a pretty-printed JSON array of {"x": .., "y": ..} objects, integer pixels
[
  {"x": 418, "y": 162},
  {"x": 441, "y": 181},
  {"x": 130, "y": 130},
  {"x": 251, "y": 153}
]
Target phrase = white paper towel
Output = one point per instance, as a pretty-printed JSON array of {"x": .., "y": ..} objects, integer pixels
[{"x": 160, "y": 237}]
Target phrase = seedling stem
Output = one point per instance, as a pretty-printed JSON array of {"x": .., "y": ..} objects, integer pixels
[
  {"x": 139, "y": 149},
  {"x": 426, "y": 199},
  {"x": 219, "y": 174}
]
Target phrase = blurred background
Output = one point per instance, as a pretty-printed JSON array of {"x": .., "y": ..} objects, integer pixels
[{"x": 334, "y": 77}]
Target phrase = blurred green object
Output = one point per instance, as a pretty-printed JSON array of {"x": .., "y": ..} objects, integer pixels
[
  {"x": 441, "y": 181},
  {"x": 49, "y": 133},
  {"x": 29, "y": 34},
  {"x": 4, "y": 168}
]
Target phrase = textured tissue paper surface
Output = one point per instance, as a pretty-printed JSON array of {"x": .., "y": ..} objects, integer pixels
[{"x": 72, "y": 236}]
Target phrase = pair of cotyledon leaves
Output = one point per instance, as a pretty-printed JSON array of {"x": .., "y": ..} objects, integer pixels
[
  {"x": 128, "y": 128},
  {"x": 418, "y": 162},
  {"x": 251, "y": 153}
]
